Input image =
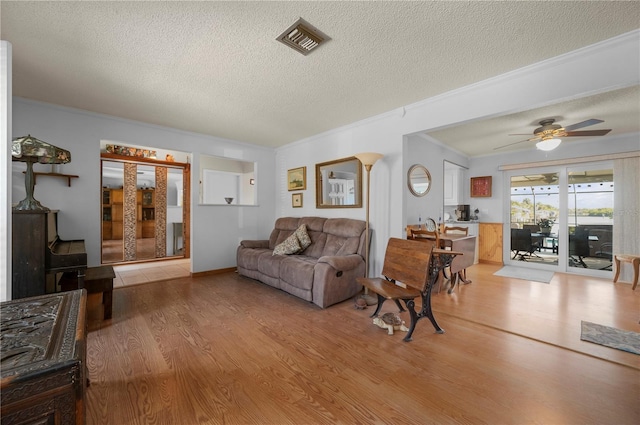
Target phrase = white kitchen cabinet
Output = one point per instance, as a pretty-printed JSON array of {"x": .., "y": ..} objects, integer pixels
[{"x": 453, "y": 189}]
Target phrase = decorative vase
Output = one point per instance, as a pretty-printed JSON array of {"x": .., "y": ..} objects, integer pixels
[
  {"x": 229, "y": 200},
  {"x": 545, "y": 230}
]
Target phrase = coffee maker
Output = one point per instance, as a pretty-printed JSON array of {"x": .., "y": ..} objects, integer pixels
[{"x": 463, "y": 212}]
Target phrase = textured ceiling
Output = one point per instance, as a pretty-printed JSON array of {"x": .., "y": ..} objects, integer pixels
[{"x": 216, "y": 68}]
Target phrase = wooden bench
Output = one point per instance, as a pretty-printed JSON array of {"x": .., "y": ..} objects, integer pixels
[
  {"x": 416, "y": 265},
  {"x": 96, "y": 280}
]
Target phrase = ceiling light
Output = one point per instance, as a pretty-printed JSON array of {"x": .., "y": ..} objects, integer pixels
[
  {"x": 302, "y": 37},
  {"x": 548, "y": 144}
]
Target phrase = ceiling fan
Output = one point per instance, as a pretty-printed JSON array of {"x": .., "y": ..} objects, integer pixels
[
  {"x": 548, "y": 133},
  {"x": 550, "y": 178}
]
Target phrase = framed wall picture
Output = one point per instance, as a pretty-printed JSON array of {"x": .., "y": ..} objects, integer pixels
[
  {"x": 481, "y": 187},
  {"x": 296, "y": 200},
  {"x": 297, "y": 178}
]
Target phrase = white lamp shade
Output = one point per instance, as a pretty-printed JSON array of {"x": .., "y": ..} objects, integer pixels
[
  {"x": 549, "y": 144},
  {"x": 368, "y": 158}
]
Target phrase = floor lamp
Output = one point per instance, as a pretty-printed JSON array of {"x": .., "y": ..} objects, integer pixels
[{"x": 368, "y": 159}]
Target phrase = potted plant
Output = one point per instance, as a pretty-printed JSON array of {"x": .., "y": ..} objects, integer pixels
[{"x": 545, "y": 225}]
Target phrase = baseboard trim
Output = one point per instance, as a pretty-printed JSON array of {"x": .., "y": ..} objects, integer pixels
[
  {"x": 497, "y": 263},
  {"x": 213, "y": 272}
]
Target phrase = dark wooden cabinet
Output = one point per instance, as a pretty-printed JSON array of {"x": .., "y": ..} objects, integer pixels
[
  {"x": 43, "y": 367},
  {"x": 29, "y": 246}
]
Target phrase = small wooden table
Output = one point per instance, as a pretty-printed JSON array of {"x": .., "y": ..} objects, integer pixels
[
  {"x": 467, "y": 246},
  {"x": 634, "y": 260}
]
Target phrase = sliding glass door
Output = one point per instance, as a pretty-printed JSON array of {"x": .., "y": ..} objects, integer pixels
[
  {"x": 535, "y": 213},
  {"x": 562, "y": 218},
  {"x": 590, "y": 218}
]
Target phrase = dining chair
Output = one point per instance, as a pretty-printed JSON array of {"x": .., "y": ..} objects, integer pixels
[
  {"x": 426, "y": 234},
  {"x": 455, "y": 230}
]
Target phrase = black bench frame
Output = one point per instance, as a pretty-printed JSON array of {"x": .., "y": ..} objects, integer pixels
[{"x": 416, "y": 264}]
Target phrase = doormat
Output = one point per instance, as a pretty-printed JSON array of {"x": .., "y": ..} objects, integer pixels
[
  {"x": 523, "y": 273},
  {"x": 611, "y": 337}
]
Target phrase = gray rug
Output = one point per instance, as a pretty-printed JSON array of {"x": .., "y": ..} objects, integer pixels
[
  {"x": 524, "y": 273},
  {"x": 611, "y": 337}
]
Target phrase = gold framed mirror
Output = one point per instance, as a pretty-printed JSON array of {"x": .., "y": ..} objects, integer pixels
[
  {"x": 339, "y": 183},
  {"x": 418, "y": 180}
]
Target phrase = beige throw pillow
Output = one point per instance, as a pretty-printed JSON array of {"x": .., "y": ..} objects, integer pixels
[
  {"x": 303, "y": 237},
  {"x": 291, "y": 245}
]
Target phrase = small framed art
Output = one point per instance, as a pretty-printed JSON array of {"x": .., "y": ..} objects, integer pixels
[
  {"x": 297, "y": 178},
  {"x": 481, "y": 187},
  {"x": 296, "y": 200}
]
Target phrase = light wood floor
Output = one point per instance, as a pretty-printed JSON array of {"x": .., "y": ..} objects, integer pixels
[
  {"x": 226, "y": 349},
  {"x": 138, "y": 273},
  {"x": 113, "y": 250}
]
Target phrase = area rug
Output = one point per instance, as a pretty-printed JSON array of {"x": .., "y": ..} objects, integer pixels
[
  {"x": 523, "y": 273},
  {"x": 611, "y": 337}
]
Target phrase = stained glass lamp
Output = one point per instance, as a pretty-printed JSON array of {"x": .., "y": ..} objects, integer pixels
[{"x": 30, "y": 150}]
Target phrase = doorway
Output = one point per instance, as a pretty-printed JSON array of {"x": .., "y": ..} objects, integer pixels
[
  {"x": 562, "y": 219},
  {"x": 143, "y": 218}
]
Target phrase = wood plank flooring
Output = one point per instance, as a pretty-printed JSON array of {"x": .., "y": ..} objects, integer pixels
[{"x": 224, "y": 349}]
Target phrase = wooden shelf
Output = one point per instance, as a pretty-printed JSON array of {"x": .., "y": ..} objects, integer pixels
[{"x": 65, "y": 176}]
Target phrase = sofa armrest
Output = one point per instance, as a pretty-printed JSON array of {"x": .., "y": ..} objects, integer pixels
[
  {"x": 342, "y": 262},
  {"x": 254, "y": 244}
]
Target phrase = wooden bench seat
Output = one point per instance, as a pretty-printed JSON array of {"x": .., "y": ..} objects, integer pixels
[{"x": 416, "y": 265}]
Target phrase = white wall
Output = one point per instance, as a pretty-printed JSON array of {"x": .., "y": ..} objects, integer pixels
[
  {"x": 431, "y": 154},
  {"x": 5, "y": 170},
  {"x": 602, "y": 67},
  {"x": 216, "y": 230}
]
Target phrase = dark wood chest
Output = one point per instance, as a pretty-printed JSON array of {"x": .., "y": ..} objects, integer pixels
[{"x": 43, "y": 363}]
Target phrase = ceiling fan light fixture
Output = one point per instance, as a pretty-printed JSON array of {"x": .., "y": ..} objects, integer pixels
[{"x": 548, "y": 144}]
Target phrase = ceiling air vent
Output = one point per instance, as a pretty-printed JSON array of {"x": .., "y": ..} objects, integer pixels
[{"x": 303, "y": 37}]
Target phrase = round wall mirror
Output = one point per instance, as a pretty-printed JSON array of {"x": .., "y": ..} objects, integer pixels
[{"x": 418, "y": 180}]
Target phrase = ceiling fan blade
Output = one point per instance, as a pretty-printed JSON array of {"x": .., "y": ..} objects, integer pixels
[
  {"x": 587, "y": 123},
  {"x": 587, "y": 133}
]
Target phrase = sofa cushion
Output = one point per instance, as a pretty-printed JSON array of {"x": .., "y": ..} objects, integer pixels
[
  {"x": 291, "y": 245},
  {"x": 285, "y": 226},
  {"x": 249, "y": 257},
  {"x": 318, "y": 238},
  {"x": 297, "y": 271},
  {"x": 343, "y": 236},
  {"x": 269, "y": 265}
]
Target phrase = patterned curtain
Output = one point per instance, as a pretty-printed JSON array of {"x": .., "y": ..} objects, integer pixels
[{"x": 626, "y": 215}]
